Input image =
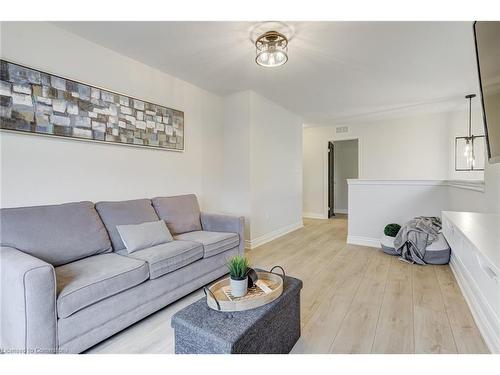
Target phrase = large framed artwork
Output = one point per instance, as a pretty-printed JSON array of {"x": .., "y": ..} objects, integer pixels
[{"x": 35, "y": 102}]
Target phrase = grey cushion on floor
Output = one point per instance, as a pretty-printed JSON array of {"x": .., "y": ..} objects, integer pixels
[
  {"x": 438, "y": 252},
  {"x": 213, "y": 242},
  {"x": 181, "y": 213},
  {"x": 89, "y": 280},
  {"x": 168, "y": 257},
  {"x": 57, "y": 234},
  {"x": 123, "y": 213}
]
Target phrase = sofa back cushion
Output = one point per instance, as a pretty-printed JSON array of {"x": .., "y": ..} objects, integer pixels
[
  {"x": 181, "y": 213},
  {"x": 57, "y": 234},
  {"x": 135, "y": 211}
]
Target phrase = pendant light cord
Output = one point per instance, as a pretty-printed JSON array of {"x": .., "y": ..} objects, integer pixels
[{"x": 470, "y": 117}]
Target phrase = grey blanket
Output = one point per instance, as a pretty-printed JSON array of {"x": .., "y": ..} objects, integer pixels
[{"x": 414, "y": 237}]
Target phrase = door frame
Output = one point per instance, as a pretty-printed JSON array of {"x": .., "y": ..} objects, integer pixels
[
  {"x": 331, "y": 177},
  {"x": 325, "y": 167}
]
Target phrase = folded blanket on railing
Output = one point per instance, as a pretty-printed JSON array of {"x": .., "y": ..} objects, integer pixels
[{"x": 414, "y": 237}]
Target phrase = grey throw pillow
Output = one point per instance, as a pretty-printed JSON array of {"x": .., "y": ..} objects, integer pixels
[{"x": 140, "y": 236}]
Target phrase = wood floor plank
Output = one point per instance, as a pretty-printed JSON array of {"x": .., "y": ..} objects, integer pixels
[
  {"x": 395, "y": 324},
  {"x": 432, "y": 328},
  {"x": 333, "y": 300},
  {"x": 357, "y": 331},
  {"x": 467, "y": 336}
]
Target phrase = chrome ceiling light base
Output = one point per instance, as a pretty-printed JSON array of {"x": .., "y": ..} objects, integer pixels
[{"x": 271, "y": 49}]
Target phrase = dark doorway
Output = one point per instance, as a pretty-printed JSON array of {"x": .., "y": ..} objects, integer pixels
[{"x": 330, "y": 179}]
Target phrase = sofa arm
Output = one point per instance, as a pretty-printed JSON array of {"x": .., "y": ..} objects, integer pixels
[
  {"x": 28, "y": 303},
  {"x": 225, "y": 223}
]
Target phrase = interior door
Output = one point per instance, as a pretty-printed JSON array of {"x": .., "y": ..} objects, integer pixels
[{"x": 330, "y": 179}]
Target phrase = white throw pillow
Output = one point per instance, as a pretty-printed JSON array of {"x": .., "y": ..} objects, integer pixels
[{"x": 140, "y": 236}]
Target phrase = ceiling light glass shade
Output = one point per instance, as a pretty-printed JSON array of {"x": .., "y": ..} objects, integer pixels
[{"x": 271, "y": 49}]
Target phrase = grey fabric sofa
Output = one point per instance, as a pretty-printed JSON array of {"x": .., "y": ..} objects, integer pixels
[{"x": 67, "y": 281}]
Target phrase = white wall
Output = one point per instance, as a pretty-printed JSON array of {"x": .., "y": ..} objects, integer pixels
[
  {"x": 242, "y": 155},
  {"x": 262, "y": 165},
  {"x": 345, "y": 166},
  {"x": 235, "y": 187},
  {"x": 406, "y": 148},
  {"x": 373, "y": 204},
  {"x": 467, "y": 200},
  {"x": 276, "y": 168},
  {"x": 474, "y": 201},
  {"x": 39, "y": 170}
]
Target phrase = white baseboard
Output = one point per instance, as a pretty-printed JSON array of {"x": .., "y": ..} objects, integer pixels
[
  {"x": 480, "y": 310},
  {"x": 312, "y": 215},
  {"x": 363, "y": 241},
  {"x": 261, "y": 240},
  {"x": 340, "y": 210}
]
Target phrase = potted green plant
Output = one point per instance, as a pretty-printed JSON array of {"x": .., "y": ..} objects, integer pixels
[
  {"x": 238, "y": 271},
  {"x": 387, "y": 241}
]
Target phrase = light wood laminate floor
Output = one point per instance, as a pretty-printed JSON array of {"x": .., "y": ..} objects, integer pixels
[{"x": 355, "y": 299}]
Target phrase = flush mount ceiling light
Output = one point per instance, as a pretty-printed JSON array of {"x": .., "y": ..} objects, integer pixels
[{"x": 271, "y": 49}]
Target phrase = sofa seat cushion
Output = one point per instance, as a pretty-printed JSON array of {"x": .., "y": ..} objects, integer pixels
[
  {"x": 135, "y": 211},
  {"x": 168, "y": 257},
  {"x": 87, "y": 281},
  {"x": 213, "y": 242}
]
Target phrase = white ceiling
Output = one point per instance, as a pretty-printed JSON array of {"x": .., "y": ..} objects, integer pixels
[{"x": 337, "y": 71}]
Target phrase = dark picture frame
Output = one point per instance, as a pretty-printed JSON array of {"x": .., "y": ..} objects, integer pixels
[{"x": 36, "y": 102}]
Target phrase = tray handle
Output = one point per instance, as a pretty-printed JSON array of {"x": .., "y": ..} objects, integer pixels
[
  {"x": 282, "y": 270},
  {"x": 207, "y": 291}
]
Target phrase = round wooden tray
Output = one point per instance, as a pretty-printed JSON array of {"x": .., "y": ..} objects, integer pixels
[{"x": 217, "y": 299}]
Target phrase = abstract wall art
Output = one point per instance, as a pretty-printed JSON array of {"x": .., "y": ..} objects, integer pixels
[{"x": 36, "y": 102}]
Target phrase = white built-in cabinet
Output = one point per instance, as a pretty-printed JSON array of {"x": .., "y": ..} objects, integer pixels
[{"x": 474, "y": 239}]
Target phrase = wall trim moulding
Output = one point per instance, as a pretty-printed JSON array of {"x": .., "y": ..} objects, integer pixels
[
  {"x": 340, "y": 210},
  {"x": 312, "y": 215},
  {"x": 364, "y": 241},
  {"x": 397, "y": 182},
  {"x": 475, "y": 185},
  {"x": 268, "y": 237}
]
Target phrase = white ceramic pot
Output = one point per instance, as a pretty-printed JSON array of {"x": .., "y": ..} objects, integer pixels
[{"x": 239, "y": 287}]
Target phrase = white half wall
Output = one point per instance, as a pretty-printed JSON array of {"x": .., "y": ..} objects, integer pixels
[
  {"x": 375, "y": 203},
  {"x": 41, "y": 170}
]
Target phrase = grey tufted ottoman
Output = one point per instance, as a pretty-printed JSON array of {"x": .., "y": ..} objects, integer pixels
[{"x": 272, "y": 328}]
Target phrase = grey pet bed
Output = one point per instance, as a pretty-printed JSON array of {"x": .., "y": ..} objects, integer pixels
[{"x": 437, "y": 252}]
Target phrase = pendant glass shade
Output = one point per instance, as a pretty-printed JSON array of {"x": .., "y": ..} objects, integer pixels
[
  {"x": 470, "y": 150},
  {"x": 271, "y": 49}
]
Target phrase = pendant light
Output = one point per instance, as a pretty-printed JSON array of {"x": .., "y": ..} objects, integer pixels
[{"x": 465, "y": 152}]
